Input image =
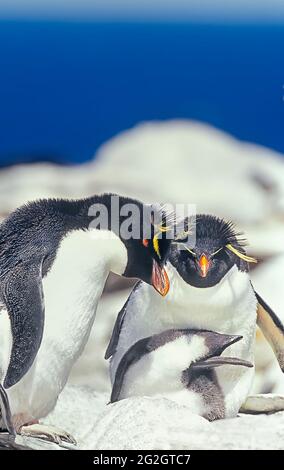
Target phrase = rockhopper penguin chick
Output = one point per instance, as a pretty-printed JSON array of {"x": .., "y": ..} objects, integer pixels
[{"x": 178, "y": 365}]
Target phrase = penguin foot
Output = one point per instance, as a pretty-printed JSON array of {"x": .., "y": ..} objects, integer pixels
[
  {"x": 263, "y": 403},
  {"x": 48, "y": 433}
]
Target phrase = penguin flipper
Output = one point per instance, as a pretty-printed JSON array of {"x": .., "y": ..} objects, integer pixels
[
  {"x": 272, "y": 328},
  {"x": 23, "y": 297},
  {"x": 133, "y": 354},
  {"x": 116, "y": 332},
  {"x": 112, "y": 346}
]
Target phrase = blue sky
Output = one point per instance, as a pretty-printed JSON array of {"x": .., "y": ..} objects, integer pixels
[{"x": 236, "y": 9}]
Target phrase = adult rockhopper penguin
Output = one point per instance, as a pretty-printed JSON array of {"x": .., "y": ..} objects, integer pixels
[
  {"x": 210, "y": 289},
  {"x": 53, "y": 266}
]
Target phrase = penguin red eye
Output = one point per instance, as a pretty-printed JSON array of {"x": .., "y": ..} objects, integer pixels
[{"x": 146, "y": 242}]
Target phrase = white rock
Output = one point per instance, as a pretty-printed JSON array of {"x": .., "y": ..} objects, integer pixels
[
  {"x": 268, "y": 281},
  {"x": 264, "y": 403}
]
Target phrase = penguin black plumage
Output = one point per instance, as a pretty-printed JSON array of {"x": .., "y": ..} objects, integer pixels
[
  {"x": 179, "y": 365},
  {"x": 53, "y": 267},
  {"x": 210, "y": 259},
  {"x": 210, "y": 289}
]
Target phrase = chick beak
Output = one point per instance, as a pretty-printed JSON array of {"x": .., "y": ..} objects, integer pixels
[
  {"x": 160, "y": 279},
  {"x": 204, "y": 265}
]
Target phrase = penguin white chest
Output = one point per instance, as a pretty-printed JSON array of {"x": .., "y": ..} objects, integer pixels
[{"x": 228, "y": 307}]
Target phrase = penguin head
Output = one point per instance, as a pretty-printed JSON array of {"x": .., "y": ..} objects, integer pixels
[
  {"x": 214, "y": 345},
  {"x": 217, "y": 249},
  {"x": 147, "y": 255}
]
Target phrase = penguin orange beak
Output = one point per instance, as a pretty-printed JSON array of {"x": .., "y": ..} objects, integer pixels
[
  {"x": 204, "y": 265},
  {"x": 160, "y": 279}
]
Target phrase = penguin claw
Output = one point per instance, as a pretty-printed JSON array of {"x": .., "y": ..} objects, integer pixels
[{"x": 48, "y": 433}]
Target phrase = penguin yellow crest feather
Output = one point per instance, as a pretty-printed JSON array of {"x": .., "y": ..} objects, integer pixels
[{"x": 244, "y": 257}]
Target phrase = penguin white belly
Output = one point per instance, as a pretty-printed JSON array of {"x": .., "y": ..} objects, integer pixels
[
  {"x": 72, "y": 289},
  {"x": 228, "y": 307}
]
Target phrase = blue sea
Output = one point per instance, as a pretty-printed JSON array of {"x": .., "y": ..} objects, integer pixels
[{"x": 66, "y": 87}]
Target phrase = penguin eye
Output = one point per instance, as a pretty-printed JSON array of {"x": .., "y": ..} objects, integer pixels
[
  {"x": 216, "y": 252},
  {"x": 190, "y": 251}
]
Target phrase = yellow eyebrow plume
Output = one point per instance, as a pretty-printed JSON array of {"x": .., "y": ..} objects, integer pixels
[
  {"x": 246, "y": 258},
  {"x": 217, "y": 251},
  {"x": 190, "y": 251},
  {"x": 156, "y": 245}
]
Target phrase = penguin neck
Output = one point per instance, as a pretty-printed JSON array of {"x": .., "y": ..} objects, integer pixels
[
  {"x": 225, "y": 305},
  {"x": 185, "y": 294},
  {"x": 100, "y": 212}
]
